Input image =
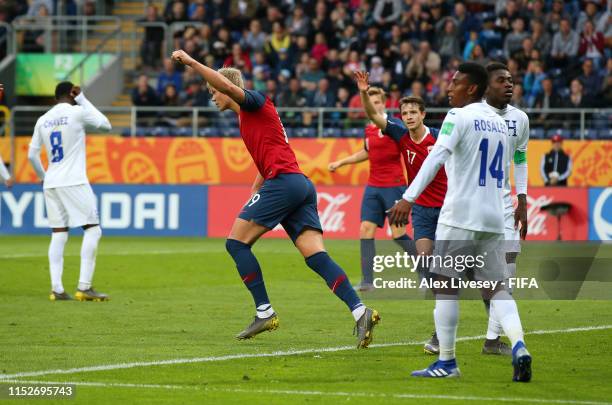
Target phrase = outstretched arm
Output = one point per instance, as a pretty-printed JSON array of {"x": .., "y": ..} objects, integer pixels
[
  {"x": 362, "y": 79},
  {"x": 212, "y": 77},
  {"x": 357, "y": 157}
]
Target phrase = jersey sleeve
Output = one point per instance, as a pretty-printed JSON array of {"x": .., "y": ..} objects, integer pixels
[
  {"x": 448, "y": 136},
  {"x": 90, "y": 115},
  {"x": 36, "y": 141},
  {"x": 395, "y": 129},
  {"x": 253, "y": 100},
  {"x": 520, "y": 155}
]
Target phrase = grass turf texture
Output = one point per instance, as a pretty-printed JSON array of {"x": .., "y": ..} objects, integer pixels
[{"x": 182, "y": 298}]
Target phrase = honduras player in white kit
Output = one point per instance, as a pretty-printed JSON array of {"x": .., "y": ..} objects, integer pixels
[
  {"x": 498, "y": 96},
  {"x": 472, "y": 145},
  {"x": 69, "y": 199}
]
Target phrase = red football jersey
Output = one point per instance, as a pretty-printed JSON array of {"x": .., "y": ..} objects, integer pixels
[
  {"x": 266, "y": 140},
  {"x": 384, "y": 156},
  {"x": 414, "y": 155}
]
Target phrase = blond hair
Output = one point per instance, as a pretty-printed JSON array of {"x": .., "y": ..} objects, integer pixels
[{"x": 233, "y": 75}]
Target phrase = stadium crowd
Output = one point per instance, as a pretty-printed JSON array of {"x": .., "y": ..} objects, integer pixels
[{"x": 303, "y": 53}]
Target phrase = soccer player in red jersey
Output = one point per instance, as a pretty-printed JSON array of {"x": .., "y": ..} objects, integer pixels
[
  {"x": 386, "y": 184},
  {"x": 281, "y": 194},
  {"x": 415, "y": 141}
]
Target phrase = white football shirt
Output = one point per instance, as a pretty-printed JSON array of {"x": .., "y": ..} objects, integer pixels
[
  {"x": 62, "y": 131},
  {"x": 518, "y": 139},
  {"x": 476, "y": 137}
]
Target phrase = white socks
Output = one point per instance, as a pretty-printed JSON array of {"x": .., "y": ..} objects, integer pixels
[
  {"x": 506, "y": 312},
  {"x": 358, "y": 312},
  {"x": 446, "y": 316},
  {"x": 494, "y": 329},
  {"x": 56, "y": 260},
  {"x": 91, "y": 237},
  {"x": 264, "y": 311}
]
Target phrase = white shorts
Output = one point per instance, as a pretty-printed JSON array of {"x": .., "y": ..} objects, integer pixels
[
  {"x": 510, "y": 234},
  {"x": 460, "y": 243},
  {"x": 71, "y": 206}
]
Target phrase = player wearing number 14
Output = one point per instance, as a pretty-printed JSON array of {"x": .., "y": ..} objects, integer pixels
[{"x": 69, "y": 199}]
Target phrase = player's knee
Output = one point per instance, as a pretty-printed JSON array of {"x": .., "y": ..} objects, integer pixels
[
  {"x": 234, "y": 246},
  {"x": 367, "y": 230}
]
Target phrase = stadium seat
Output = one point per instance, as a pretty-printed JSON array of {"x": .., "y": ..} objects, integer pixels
[
  {"x": 232, "y": 132},
  {"x": 305, "y": 132},
  {"x": 209, "y": 131},
  {"x": 143, "y": 131},
  {"x": 332, "y": 132},
  {"x": 290, "y": 132},
  {"x": 182, "y": 131},
  {"x": 160, "y": 131},
  {"x": 564, "y": 132},
  {"x": 353, "y": 133},
  {"x": 589, "y": 133},
  {"x": 605, "y": 134},
  {"x": 126, "y": 132},
  {"x": 536, "y": 133}
]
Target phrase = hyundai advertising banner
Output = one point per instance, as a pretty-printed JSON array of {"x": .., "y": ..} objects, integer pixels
[{"x": 152, "y": 210}]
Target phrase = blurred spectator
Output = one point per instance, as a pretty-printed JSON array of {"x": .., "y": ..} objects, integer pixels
[
  {"x": 540, "y": 37},
  {"x": 151, "y": 49},
  {"x": 292, "y": 97},
  {"x": 376, "y": 72},
  {"x": 592, "y": 44},
  {"x": 239, "y": 59},
  {"x": 465, "y": 22},
  {"x": 272, "y": 90},
  {"x": 554, "y": 17},
  {"x": 34, "y": 39},
  {"x": 196, "y": 94},
  {"x": 532, "y": 83},
  {"x": 565, "y": 45},
  {"x": 424, "y": 63},
  {"x": 556, "y": 165},
  {"x": 590, "y": 78},
  {"x": 590, "y": 14},
  {"x": 518, "y": 97},
  {"x": 395, "y": 94},
  {"x": 176, "y": 12},
  {"x": 577, "y": 98},
  {"x": 322, "y": 97},
  {"x": 401, "y": 63},
  {"x": 387, "y": 12},
  {"x": 169, "y": 76},
  {"x": 35, "y": 6},
  {"x": 478, "y": 55},
  {"x": 514, "y": 40},
  {"x": 469, "y": 45},
  {"x": 143, "y": 95},
  {"x": 298, "y": 23},
  {"x": 221, "y": 45},
  {"x": 320, "y": 49},
  {"x": 545, "y": 100},
  {"x": 524, "y": 55},
  {"x": 448, "y": 40},
  {"x": 312, "y": 75},
  {"x": 254, "y": 39}
]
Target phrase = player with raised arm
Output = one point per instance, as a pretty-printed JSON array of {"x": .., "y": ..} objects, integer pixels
[
  {"x": 472, "y": 146},
  {"x": 5, "y": 176},
  {"x": 386, "y": 184},
  {"x": 498, "y": 96},
  {"x": 415, "y": 141},
  {"x": 281, "y": 194},
  {"x": 69, "y": 199}
]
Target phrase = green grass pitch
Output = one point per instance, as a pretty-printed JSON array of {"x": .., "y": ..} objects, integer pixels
[{"x": 181, "y": 299}]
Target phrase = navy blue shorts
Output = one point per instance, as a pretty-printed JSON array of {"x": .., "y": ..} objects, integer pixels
[
  {"x": 376, "y": 200},
  {"x": 289, "y": 199},
  {"x": 424, "y": 221}
]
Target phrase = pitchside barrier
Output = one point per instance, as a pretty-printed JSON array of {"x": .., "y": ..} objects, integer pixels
[{"x": 199, "y": 210}]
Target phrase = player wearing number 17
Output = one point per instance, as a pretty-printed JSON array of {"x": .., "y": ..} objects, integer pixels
[
  {"x": 281, "y": 194},
  {"x": 69, "y": 199},
  {"x": 472, "y": 145}
]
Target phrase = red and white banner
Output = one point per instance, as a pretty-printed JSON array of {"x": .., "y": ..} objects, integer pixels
[{"x": 339, "y": 211}]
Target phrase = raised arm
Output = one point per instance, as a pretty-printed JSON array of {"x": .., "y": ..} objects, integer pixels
[
  {"x": 362, "y": 79},
  {"x": 91, "y": 115},
  {"x": 357, "y": 157},
  {"x": 212, "y": 77}
]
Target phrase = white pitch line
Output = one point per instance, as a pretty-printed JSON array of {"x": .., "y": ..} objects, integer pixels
[
  {"x": 109, "y": 253},
  {"x": 312, "y": 393},
  {"x": 106, "y": 367}
]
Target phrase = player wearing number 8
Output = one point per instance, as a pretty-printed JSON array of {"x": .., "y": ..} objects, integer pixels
[
  {"x": 69, "y": 199},
  {"x": 281, "y": 195}
]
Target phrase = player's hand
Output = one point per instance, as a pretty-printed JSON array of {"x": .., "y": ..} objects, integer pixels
[
  {"x": 9, "y": 183},
  {"x": 333, "y": 166},
  {"x": 399, "y": 214},
  {"x": 182, "y": 57},
  {"x": 362, "y": 79},
  {"x": 520, "y": 216},
  {"x": 76, "y": 90}
]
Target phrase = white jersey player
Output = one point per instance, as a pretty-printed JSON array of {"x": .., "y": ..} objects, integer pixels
[
  {"x": 499, "y": 94},
  {"x": 473, "y": 146},
  {"x": 69, "y": 199}
]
